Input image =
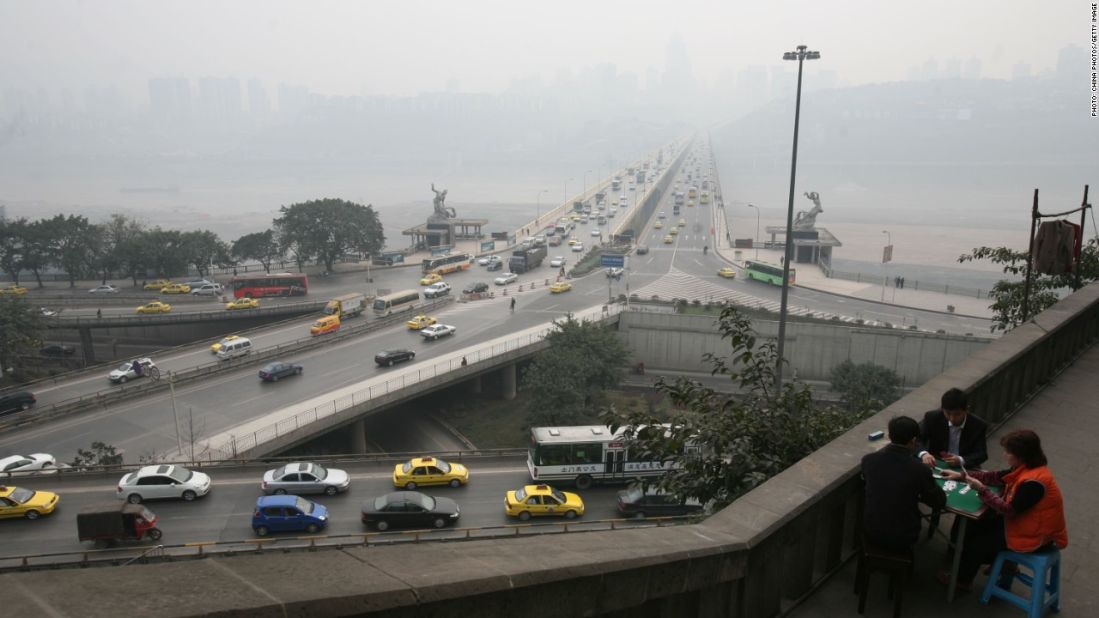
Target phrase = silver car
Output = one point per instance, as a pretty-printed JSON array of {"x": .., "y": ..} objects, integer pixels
[
  {"x": 18, "y": 465},
  {"x": 305, "y": 478},
  {"x": 163, "y": 481}
]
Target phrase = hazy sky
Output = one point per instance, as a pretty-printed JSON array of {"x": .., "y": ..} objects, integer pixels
[{"x": 407, "y": 47}]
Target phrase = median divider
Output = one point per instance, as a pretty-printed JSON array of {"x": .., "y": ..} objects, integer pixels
[{"x": 113, "y": 395}]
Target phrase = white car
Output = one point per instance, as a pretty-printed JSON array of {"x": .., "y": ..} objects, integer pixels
[
  {"x": 578, "y": 247},
  {"x": 435, "y": 290},
  {"x": 558, "y": 261},
  {"x": 207, "y": 289},
  {"x": 488, "y": 259},
  {"x": 596, "y": 233},
  {"x": 506, "y": 278},
  {"x": 126, "y": 371},
  {"x": 18, "y": 465},
  {"x": 661, "y": 215},
  {"x": 46, "y": 312},
  {"x": 104, "y": 289},
  {"x": 163, "y": 481},
  {"x": 437, "y": 330}
]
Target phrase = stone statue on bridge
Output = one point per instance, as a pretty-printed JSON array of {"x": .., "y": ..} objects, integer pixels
[
  {"x": 442, "y": 212},
  {"x": 807, "y": 219}
]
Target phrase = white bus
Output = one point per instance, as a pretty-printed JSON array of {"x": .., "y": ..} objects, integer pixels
[
  {"x": 396, "y": 302},
  {"x": 584, "y": 455}
]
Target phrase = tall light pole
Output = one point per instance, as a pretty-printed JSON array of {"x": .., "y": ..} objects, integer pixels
[
  {"x": 538, "y": 208},
  {"x": 755, "y": 239},
  {"x": 801, "y": 55},
  {"x": 566, "y": 200},
  {"x": 586, "y": 172},
  {"x": 885, "y": 257}
]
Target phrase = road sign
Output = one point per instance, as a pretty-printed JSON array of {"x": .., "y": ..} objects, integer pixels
[
  {"x": 887, "y": 254},
  {"x": 441, "y": 249},
  {"x": 612, "y": 260},
  {"x": 488, "y": 246}
]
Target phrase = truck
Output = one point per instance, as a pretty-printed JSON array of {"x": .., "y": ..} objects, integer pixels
[
  {"x": 616, "y": 184},
  {"x": 523, "y": 260},
  {"x": 578, "y": 206},
  {"x": 346, "y": 306},
  {"x": 600, "y": 196},
  {"x": 640, "y": 177}
]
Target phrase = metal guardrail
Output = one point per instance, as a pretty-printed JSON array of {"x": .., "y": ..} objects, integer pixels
[
  {"x": 160, "y": 319},
  {"x": 143, "y": 554},
  {"x": 123, "y": 391},
  {"x": 286, "y": 427}
]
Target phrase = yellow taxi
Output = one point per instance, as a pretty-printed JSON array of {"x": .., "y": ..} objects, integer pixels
[
  {"x": 242, "y": 303},
  {"x": 430, "y": 278},
  {"x": 175, "y": 288},
  {"x": 575, "y": 218},
  {"x": 154, "y": 307},
  {"x": 420, "y": 471},
  {"x": 573, "y": 241},
  {"x": 659, "y": 225},
  {"x": 420, "y": 321},
  {"x": 21, "y": 502},
  {"x": 727, "y": 272},
  {"x": 690, "y": 204},
  {"x": 674, "y": 231},
  {"x": 669, "y": 239},
  {"x": 157, "y": 285},
  {"x": 13, "y": 290},
  {"x": 560, "y": 286},
  {"x": 682, "y": 223},
  {"x": 542, "y": 501},
  {"x": 214, "y": 348}
]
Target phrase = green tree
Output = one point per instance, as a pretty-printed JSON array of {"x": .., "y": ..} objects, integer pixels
[
  {"x": 260, "y": 246},
  {"x": 865, "y": 387},
  {"x": 20, "y": 328},
  {"x": 202, "y": 249},
  {"x": 100, "y": 454},
  {"x": 74, "y": 242},
  {"x": 163, "y": 251},
  {"x": 121, "y": 248},
  {"x": 327, "y": 229},
  {"x": 565, "y": 382},
  {"x": 725, "y": 445},
  {"x": 1045, "y": 290},
  {"x": 37, "y": 248},
  {"x": 13, "y": 238}
]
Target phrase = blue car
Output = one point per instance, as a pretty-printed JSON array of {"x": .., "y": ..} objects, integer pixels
[{"x": 288, "y": 514}]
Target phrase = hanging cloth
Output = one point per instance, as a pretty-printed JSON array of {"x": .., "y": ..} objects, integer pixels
[{"x": 1054, "y": 247}]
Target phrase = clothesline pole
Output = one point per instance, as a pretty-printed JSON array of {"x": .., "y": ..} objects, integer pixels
[
  {"x": 1083, "y": 231},
  {"x": 1030, "y": 257}
]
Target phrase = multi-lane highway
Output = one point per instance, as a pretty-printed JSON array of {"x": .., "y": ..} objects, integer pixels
[
  {"x": 225, "y": 514},
  {"x": 146, "y": 426}
]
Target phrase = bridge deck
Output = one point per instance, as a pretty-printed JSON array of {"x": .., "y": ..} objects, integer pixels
[{"x": 1066, "y": 416}]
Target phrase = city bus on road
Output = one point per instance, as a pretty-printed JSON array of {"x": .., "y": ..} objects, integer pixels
[
  {"x": 396, "y": 302},
  {"x": 584, "y": 455},
  {"x": 446, "y": 264},
  {"x": 261, "y": 285},
  {"x": 768, "y": 273}
]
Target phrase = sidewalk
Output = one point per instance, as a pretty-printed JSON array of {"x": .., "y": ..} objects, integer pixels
[{"x": 811, "y": 277}]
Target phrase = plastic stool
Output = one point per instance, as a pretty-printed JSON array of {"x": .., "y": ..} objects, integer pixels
[
  {"x": 1044, "y": 580},
  {"x": 897, "y": 565}
]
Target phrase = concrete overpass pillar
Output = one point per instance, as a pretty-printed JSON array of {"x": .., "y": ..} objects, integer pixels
[
  {"x": 86, "y": 345},
  {"x": 474, "y": 385},
  {"x": 507, "y": 382},
  {"x": 357, "y": 433}
]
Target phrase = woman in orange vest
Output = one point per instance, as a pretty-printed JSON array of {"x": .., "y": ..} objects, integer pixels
[{"x": 1028, "y": 517}]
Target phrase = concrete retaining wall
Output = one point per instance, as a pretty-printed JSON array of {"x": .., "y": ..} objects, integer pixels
[{"x": 677, "y": 341}]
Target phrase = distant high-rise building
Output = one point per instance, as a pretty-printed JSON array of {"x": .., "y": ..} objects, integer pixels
[
  {"x": 678, "y": 77},
  {"x": 219, "y": 98},
  {"x": 972, "y": 68},
  {"x": 258, "y": 102},
  {"x": 293, "y": 100},
  {"x": 1021, "y": 70},
  {"x": 1072, "y": 62},
  {"x": 170, "y": 98}
]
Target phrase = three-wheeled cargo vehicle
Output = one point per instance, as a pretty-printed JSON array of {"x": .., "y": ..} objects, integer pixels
[{"x": 108, "y": 523}]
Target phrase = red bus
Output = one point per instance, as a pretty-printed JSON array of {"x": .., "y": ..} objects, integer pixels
[{"x": 260, "y": 285}]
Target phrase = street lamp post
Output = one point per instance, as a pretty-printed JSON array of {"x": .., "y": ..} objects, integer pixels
[
  {"x": 885, "y": 260},
  {"x": 755, "y": 239},
  {"x": 586, "y": 172},
  {"x": 566, "y": 200},
  {"x": 801, "y": 55},
  {"x": 538, "y": 208}
]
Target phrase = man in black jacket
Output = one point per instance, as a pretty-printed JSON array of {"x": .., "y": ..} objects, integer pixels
[
  {"x": 952, "y": 434},
  {"x": 895, "y": 483}
]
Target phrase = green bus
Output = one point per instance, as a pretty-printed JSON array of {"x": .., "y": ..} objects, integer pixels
[{"x": 768, "y": 273}]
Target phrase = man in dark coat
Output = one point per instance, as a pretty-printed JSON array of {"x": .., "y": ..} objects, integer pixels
[
  {"x": 895, "y": 483},
  {"x": 952, "y": 434}
]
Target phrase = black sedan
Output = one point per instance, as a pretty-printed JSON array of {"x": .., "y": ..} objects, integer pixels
[
  {"x": 392, "y": 357},
  {"x": 636, "y": 501},
  {"x": 57, "y": 349},
  {"x": 274, "y": 371},
  {"x": 16, "y": 401},
  {"x": 409, "y": 509}
]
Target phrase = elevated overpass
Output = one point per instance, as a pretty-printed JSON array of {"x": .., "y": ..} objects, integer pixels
[{"x": 759, "y": 557}]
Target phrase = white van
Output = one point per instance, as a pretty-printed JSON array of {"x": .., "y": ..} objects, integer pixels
[{"x": 237, "y": 347}]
